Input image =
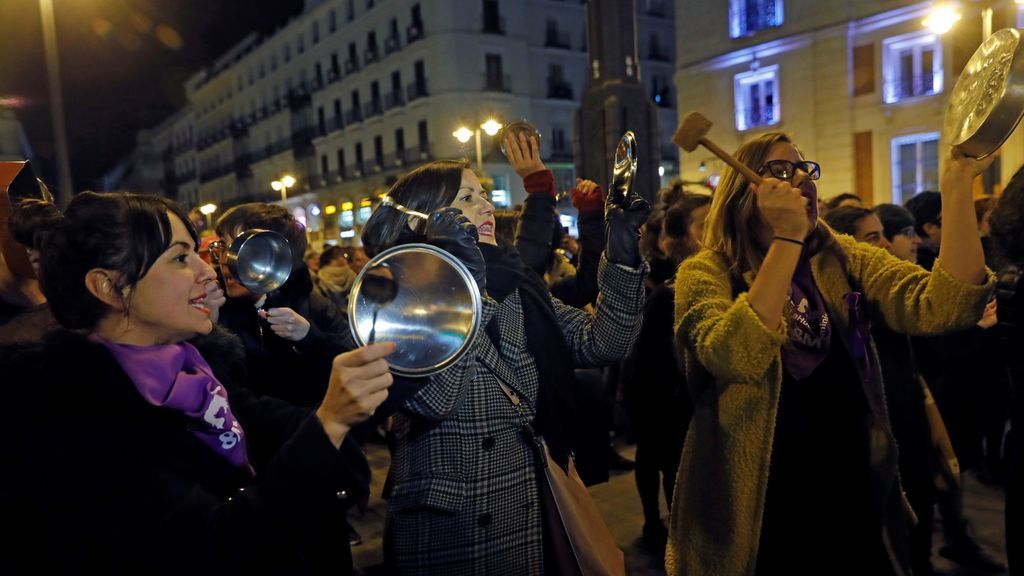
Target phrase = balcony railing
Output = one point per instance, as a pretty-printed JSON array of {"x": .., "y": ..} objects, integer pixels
[
  {"x": 372, "y": 108},
  {"x": 416, "y": 90},
  {"x": 334, "y": 124},
  {"x": 753, "y": 117},
  {"x": 497, "y": 83},
  {"x": 215, "y": 172},
  {"x": 353, "y": 115},
  {"x": 413, "y": 33},
  {"x": 351, "y": 66},
  {"x": 557, "y": 39},
  {"x": 370, "y": 56},
  {"x": 392, "y": 44},
  {"x": 559, "y": 89},
  {"x": 393, "y": 100},
  {"x": 912, "y": 87}
]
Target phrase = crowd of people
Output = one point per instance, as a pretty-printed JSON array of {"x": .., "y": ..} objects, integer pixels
[{"x": 785, "y": 361}]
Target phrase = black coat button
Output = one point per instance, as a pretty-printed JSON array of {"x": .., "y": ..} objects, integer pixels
[
  {"x": 484, "y": 519},
  {"x": 471, "y": 372},
  {"x": 487, "y": 443}
]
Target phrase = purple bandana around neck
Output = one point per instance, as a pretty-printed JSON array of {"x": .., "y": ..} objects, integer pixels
[
  {"x": 810, "y": 329},
  {"x": 177, "y": 377}
]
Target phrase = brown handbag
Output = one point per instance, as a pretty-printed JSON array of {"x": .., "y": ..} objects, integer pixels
[{"x": 578, "y": 539}]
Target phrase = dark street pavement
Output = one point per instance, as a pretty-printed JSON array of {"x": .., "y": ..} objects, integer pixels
[{"x": 620, "y": 504}]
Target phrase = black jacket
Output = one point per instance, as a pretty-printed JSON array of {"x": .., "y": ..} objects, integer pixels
[
  {"x": 96, "y": 480},
  {"x": 296, "y": 372},
  {"x": 534, "y": 242}
]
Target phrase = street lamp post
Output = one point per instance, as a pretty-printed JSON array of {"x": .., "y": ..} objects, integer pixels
[
  {"x": 208, "y": 210},
  {"x": 65, "y": 191},
  {"x": 283, "y": 185},
  {"x": 463, "y": 134}
]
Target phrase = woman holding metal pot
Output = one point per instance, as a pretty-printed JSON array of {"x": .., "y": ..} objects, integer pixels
[
  {"x": 291, "y": 334},
  {"x": 464, "y": 494},
  {"x": 789, "y": 426},
  {"x": 132, "y": 447}
]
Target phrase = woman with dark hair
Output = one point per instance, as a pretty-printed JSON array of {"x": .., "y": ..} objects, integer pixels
[
  {"x": 464, "y": 496},
  {"x": 789, "y": 425},
  {"x": 145, "y": 455}
]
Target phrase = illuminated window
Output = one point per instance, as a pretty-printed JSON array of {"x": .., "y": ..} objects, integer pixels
[
  {"x": 915, "y": 165},
  {"x": 749, "y": 16},
  {"x": 911, "y": 66},
  {"x": 500, "y": 196},
  {"x": 757, "y": 98}
]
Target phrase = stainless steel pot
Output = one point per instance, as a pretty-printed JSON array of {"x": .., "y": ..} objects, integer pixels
[
  {"x": 261, "y": 260},
  {"x": 421, "y": 298},
  {"x": 987, "y": 102}
]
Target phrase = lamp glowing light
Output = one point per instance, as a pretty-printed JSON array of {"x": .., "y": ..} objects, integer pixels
[
  {"x": 463, "y": 134},
  {"x": 492, "y": 126},
  {"x": 941, "y": 19}
]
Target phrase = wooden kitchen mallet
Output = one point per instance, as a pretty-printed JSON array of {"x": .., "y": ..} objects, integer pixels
[{"x": 693, "y": 132}]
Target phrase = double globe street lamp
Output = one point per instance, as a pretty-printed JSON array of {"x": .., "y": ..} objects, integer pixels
[
  {"x": 463, "y": 134},
  {"x": 283, "y": 185}
]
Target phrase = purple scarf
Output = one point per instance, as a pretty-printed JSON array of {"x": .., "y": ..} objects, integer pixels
[
  {"x": 810, "y": 329},
  {"x": 177, "y": 377}
]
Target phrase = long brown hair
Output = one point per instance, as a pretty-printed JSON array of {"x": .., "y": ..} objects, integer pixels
[{"x": 734, "y": 226}]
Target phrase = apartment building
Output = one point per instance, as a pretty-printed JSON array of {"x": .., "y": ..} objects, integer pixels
[
  {"x": 353, "y": 93},
  {"x": 861, "y": 86}
]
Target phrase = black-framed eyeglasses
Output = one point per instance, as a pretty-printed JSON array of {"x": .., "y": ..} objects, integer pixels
[
  {"x": 786, "y": 170},
  {"x": 217, "y": 248}
]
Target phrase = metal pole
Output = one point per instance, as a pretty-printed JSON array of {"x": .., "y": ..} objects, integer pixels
[
  {"x": 65, "y": 189},
  {"x": 284, "y": 193},
  {"x": 479, "y": 153},
  {"x": 986, "y": 22}
]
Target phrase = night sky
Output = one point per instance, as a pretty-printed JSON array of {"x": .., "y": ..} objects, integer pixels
[{"x": 123, "y": 64}]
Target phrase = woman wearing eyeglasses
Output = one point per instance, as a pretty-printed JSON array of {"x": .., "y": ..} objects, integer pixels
[{"x": 789, "y": 427}]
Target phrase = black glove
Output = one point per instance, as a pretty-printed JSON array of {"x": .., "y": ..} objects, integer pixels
[
  {"x": 622, "y": 226},
  {"x": 449, "y": 230}
]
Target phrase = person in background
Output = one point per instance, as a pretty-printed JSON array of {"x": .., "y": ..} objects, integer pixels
[
  {"x": 312, "y": 258},
  {"x": 1007, "y": 230},
  {"x": 292, "y": 334},
  {"x": 844, "y": 199},
  {"x": 927, "y": 210},
  {"x": 335, "y": 276},
  {"x": 899, "y": 230},
  {"x": 789, "y": 425},
  {"x": 660, "y": 407},
  {"x": 174, "y": 467},
  {"x": 904, "y": 387}
]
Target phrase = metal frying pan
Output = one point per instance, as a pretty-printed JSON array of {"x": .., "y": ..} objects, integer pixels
[{"x": 987, "y": 102}]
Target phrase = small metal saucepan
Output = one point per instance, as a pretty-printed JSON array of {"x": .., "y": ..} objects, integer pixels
[
  {"x": 261, "y": 260},
  {"x": 987, "y": 102}
]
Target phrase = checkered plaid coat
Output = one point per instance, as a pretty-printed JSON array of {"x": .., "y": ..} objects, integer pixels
[{"x": 465, "y": 496}]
